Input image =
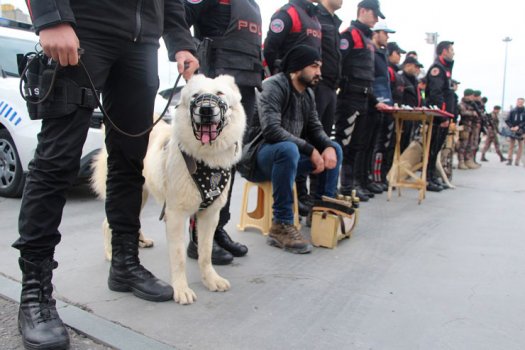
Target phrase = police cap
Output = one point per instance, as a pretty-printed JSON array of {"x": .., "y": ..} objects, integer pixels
[
  {"x": 393, "y": 46},
  {"x": 413, "y": 60},
  {"x": 372, "y": 5}
]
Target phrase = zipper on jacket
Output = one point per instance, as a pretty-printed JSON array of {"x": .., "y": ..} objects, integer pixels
[{"x": 138, "y": 21}]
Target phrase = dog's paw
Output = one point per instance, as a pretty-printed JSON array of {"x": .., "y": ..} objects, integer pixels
[
  {"x": 145, "y": 243},
  {"x": 184, "y": 295},
  {"x": 216, "y": 283}
]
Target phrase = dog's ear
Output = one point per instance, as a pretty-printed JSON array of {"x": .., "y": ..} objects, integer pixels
[
  {"x": 192, "y": 86},
  {"x": 228, "y": 81}
]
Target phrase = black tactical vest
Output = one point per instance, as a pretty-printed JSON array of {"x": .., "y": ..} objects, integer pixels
[
  {"x": 358, "y": 66},
  {"x": 448, "y": 91},
  {"x": 238, "y": 52},
  {"x": 305, "y": 29}
]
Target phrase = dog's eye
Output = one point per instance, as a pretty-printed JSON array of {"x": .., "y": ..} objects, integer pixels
[
  {"x": 220, "y": 93},
  {"x": 195, "y": 95}
]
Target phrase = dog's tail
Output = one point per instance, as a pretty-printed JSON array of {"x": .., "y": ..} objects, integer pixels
[{"x": 100, "y": 172}]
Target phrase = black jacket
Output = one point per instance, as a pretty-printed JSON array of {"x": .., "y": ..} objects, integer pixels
[
  {"x": 285, "y": 33},
  {"x": 517, "y": 118},
  {"x": 331, "y": 55},
  {"x": 284, "y": 114},
  {"x": 235, "y": 30},
  {"x": 142, "y": 21},
  {"x": 439, "y": 90},
  {"x": 411, "y": 96}
]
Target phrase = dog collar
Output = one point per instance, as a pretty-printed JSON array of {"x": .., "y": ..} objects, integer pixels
[{"x": 211, "y": 182}]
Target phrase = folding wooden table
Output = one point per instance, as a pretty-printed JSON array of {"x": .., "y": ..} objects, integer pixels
[{"x": 426, "y": 117}]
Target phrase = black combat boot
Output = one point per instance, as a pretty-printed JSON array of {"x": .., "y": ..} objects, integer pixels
[
  {"x": 348, "y": 183},
  {"x": 219, "y": 256},
  {"x": 38, "y": 319},
  {"x": 224, "y": 241},
  {"x": 126, "y": 274},
  {"x": 305, "y": 203}
]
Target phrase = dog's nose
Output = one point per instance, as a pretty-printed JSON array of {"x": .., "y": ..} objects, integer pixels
[{"x": 206, "y": 111}]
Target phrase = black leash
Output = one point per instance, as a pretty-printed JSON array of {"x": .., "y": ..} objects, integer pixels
[{"x": 39, "y": 55}]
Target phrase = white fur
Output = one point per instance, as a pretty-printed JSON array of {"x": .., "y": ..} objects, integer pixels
[{"x": 168, "y": 180}]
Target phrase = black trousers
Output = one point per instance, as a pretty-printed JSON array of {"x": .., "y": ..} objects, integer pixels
[
  {"x": 248, "y": 103},
  {"x": 439, "y": 136},
  {"x": 353, "y": 131},
  {"x": 325, "y": 102},
  {"x": 126, "y": 74}
]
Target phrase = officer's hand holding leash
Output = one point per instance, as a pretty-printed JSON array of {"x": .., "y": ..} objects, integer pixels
[
  {"x": 61, "y": 43},
  {"x": 187, "y": 64}
]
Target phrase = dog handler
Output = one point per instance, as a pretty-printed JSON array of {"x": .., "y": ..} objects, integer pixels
[{"x": 120, "y": 42}]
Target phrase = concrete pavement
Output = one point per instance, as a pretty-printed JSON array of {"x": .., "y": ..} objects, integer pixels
[{"x": 447, "y": 274}]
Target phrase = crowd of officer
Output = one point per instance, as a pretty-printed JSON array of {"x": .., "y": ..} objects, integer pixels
[{"x": 363, "y": 74}]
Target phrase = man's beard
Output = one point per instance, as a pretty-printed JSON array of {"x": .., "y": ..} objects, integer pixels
[{"x": 309, "y": 82}]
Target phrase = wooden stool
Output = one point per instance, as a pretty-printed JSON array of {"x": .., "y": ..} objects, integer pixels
[{"x": 261, "y": 217}]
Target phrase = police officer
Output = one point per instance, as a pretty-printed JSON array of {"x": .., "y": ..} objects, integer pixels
[
  {"x": 396, "y": 84},
  {"x": 293, "y": 24},
  {"x": 234, "y": 26},
  {"x": 120, "y": 42},
  {"x": 352, "y": 127},
  {"x": 325, "y": 91},
  {"x": 383, "y": 93},
  {"x": 411, "y": 96},
  {"x": 439, "y": 93}
]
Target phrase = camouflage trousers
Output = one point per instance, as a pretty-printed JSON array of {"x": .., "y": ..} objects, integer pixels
[
  {"x": 476, "y": 131},
  {"x": 464, "y": 145},
  {"x": 492, "y": 138}
]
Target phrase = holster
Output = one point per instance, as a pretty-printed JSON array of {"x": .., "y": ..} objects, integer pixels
[{"x": 65, "y": 95}]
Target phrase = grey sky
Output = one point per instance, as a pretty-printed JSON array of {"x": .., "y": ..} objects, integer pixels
[{"x": 476, "y": 27}]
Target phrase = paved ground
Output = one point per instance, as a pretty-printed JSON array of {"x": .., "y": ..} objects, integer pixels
[
  {"x": 10, "y": 338},
  {"x": 447, "y": 274}
]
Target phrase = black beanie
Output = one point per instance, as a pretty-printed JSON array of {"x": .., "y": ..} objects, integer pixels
[{"x": 298, "y": 57}]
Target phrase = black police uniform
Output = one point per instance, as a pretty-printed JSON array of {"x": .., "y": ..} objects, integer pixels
[
  {"x": 120, "y": 53},
  {"x": 439, "y": 93},
  {"x": 325, "y": 91},
  {"x": 120, "y": 42},
  {"x": 235, "y": 26},
  {"x": 293, "y": 24},
  {"x": 352, "y": 127},
  {"x": 377, "y": 155},
  {"x": 411, "y": 97}
]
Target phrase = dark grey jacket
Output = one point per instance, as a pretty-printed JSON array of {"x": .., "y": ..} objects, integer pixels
[{"x": 284, "y": 114}]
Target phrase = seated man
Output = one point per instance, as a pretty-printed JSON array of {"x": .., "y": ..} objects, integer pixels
[{"x": 279, "y": 150}]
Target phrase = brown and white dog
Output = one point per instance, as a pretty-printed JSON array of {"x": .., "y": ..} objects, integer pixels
[
  {"x": 206, "y": 133},
  {"x": 410, "y": 157}
]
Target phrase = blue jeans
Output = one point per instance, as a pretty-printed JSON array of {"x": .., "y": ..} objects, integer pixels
[{"x": 280, "y": 163}]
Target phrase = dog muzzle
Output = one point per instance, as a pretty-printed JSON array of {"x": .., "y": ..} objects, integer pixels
[{"x": 208, "y": 117}]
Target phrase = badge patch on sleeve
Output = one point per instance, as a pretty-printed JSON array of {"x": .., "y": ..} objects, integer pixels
[
  {"x": 434, "y": 72},
  {"x": 344, "y": 45},
  {"x": 277, "y": 26}
]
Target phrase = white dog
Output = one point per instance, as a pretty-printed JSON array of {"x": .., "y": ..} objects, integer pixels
[{"x": 206, "y": 134}]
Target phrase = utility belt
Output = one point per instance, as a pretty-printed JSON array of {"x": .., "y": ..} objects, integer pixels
[
  {"x": 48, "y": 92},
  {"x": 355, "y": 88}
]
